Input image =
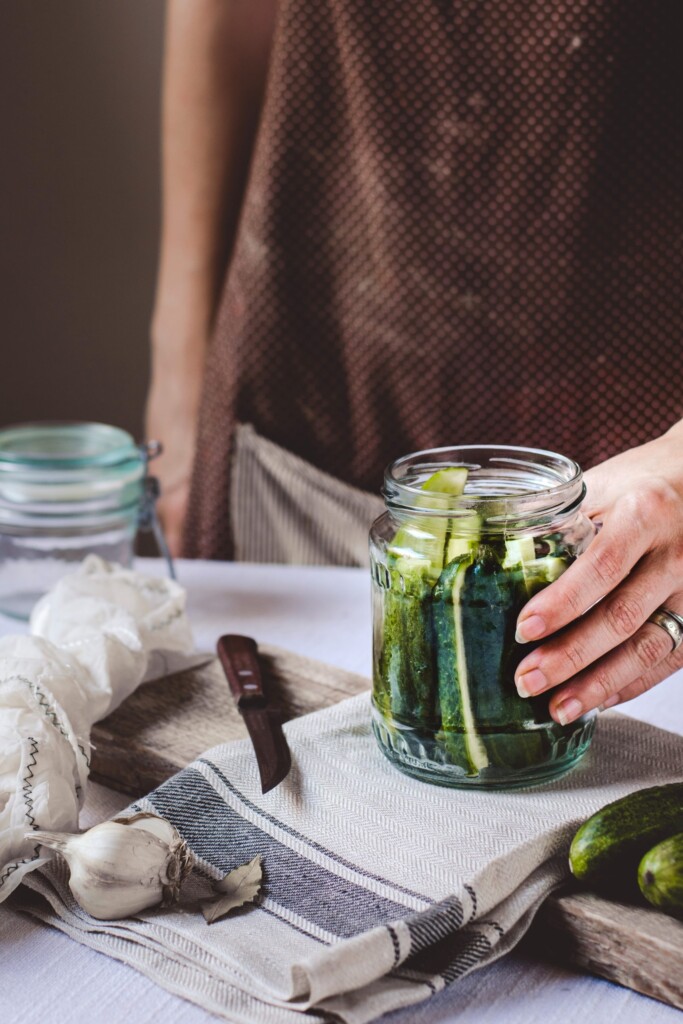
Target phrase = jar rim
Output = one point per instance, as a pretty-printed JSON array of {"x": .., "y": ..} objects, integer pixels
[
  {"x": 506, "y": 482},
  {"x": 65, "y": 445},
  {"x": 68, "y": 465}
]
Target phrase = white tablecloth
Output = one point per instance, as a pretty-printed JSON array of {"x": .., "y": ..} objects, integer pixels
[{"x": 323, "y": 613}]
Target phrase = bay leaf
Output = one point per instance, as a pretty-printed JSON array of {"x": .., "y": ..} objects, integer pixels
[{"x": 240, "y": 886}]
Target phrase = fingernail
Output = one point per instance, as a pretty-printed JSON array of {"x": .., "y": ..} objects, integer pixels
[
  {"x": 530, "y": 629},
  {"x": 610, "y": 702},
  {"x": 531, "y": 683},
  {"x": 568, "y": 710}
]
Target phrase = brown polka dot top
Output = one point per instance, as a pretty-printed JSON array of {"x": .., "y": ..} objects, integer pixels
[{"x": 463, "y": 224}]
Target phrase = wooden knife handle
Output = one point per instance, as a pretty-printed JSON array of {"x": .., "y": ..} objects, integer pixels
[{"x": 238, "y": 656}]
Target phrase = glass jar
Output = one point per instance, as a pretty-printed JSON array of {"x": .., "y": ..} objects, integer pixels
[
  {"x": 68, "y": 490},
  {"x": 469, "y": 535}
]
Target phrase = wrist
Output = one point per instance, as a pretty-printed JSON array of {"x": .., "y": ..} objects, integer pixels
[{"x": 676, "y": 431}]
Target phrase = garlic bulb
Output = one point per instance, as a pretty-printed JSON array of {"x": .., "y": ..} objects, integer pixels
[{"x": 123, "y": 866}]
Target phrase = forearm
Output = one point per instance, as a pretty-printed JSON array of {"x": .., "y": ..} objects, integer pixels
[
  {"x": 215, "y": 69},
  {"x": 214, "y": 73}
]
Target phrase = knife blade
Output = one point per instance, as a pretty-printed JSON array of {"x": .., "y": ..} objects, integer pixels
[{"x": 239, "y": 659}]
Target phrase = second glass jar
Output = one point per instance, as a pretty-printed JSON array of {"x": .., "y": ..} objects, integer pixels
[
  {"x": 469, "y": 536},
  {"x": 68, "y": 490}
]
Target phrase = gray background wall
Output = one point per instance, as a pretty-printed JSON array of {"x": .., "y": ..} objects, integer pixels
[{"x": 79, "y": 206}]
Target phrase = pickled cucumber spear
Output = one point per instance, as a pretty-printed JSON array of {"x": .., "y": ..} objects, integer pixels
[{"x": 406, "y": 667}]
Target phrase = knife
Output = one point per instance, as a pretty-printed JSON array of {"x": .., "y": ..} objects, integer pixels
[{"x": 237, "y": 655}]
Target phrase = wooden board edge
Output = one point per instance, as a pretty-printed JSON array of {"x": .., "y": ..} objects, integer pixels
[
  {"x": 636, "y": 947},
  {"x": 133, "y": 773}
]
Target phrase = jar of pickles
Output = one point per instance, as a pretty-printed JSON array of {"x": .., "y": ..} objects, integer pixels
[{"x": 469, "y": 535}]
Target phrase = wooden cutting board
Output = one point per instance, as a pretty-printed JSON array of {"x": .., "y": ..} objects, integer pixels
[{"x": 166, "y": 724}]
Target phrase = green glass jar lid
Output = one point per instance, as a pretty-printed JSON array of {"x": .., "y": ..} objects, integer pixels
[
  {"x": 69, "y": 462},
  {"x": 65, "y": 446}
]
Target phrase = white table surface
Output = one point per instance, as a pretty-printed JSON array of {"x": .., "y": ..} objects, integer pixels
[{"x": 323, "y": 613}]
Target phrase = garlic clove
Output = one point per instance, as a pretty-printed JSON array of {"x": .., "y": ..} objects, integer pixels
[
  {"x": 160, "y": 827},
  {"x": 121, "y": 867}
]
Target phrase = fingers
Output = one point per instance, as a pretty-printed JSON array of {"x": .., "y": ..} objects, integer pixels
[
  {"x": 611, "y": 622},
  {"x": 172, "y": 509},
  {"x": 641, "y": 661},
  {"x": 646, "y": 681},
  {"x": 174, "y": 540},
  {"x": 625, "y": 537}
]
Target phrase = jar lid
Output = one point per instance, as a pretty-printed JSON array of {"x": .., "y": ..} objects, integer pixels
[{"x": 48, "y": 463}]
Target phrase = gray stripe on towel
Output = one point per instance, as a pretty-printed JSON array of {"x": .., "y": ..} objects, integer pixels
[
  {"x": 224, "y": 838},
  {"x": 307, "y": 839}
]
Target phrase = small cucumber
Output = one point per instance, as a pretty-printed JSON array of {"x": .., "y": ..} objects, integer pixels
[
  {"x": 660, "y": 875},
  {"x": 606, "y": 850}
]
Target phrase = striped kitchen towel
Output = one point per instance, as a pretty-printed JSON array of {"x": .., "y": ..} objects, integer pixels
[{"x": 379, "y": 890}]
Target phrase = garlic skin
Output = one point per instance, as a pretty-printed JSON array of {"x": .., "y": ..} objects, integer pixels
[{"x": 123, "y": 866}]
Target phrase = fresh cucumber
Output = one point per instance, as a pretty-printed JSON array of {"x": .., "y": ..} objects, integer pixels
[
  {"x": 660, "y": 875},
  {"x": 607, "y": 849}
]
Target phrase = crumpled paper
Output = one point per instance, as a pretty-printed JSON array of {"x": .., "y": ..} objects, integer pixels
[{"x": 98, "y": 634}]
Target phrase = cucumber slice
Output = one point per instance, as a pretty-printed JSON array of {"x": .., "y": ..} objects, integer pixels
[
  {"x": 520, "y": 555},
  {"x": 490, "y": 601},
  {"x": 404, "y": 678},
  {"x": 519, "y": 551},
  {"x": 464, "y": 538},
  {"x": 426, "y": 537},
  {"x": 543, "y": 571},
  {"x": 405, "y": 672},
  {"x": 447, "y": 481},
  {"x": 459, "y": 733},
  {"x": 418, "y": 548}
]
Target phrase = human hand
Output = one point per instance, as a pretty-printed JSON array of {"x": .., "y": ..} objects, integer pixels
[
  {"x": 171, "y": 418},
  {"x": 608, "y": 652}
]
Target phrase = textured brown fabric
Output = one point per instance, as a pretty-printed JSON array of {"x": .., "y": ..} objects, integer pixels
[{"x": 463, "y": 224}]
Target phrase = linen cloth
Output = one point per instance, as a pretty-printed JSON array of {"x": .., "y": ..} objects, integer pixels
[
  {"x": 379, "y": 890},
  {"x": 283, "y": 509},
  {"x": 97, "y": 634}
]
